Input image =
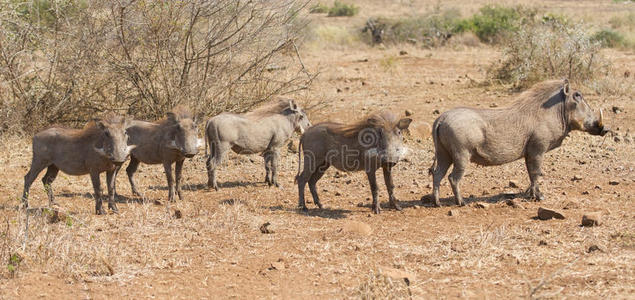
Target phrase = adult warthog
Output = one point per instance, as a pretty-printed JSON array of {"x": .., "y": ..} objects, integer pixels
[
  {"x": 367, "y": 145},
  {"x": 101, "y": 146},
  {"x": 537, "y": 122},
  {"x": 167, "y": 141},
  {"x": 261, "y": 131}
]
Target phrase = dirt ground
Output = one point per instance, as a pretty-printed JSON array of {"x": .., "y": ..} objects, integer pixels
[{"x": 217, "y": 250}]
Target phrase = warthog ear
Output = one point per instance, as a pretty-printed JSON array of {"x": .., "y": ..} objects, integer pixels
[
  {"x": 404, "y": 123},
  {"x": 565, "y": 88},
  {"x": 292, "y": 105}
]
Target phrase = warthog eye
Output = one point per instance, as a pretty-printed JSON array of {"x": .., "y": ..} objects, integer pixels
[{"x": 107, "y": 134}]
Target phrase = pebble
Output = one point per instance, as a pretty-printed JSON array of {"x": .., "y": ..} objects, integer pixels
[{"x": 592, "y": 219}]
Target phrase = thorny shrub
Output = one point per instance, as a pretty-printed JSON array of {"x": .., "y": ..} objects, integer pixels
[{"x": 64, "y": 61}]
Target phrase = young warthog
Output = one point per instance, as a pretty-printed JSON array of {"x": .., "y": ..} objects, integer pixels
[
  {"x": 537, "y": 122},
  {"x": 374, "y": 142},
  {"x": 261, "y": 131},
  {"x": 168, "y": 141},
  {"x": 101, "y": 146}
]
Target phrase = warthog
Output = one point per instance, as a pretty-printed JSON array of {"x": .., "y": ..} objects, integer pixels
[
  {"x": 537, "y": 122},
  {"x": 168, "y": 141},
  {"x": 101, "y": 146},
  {"x": 373, "y": 142},
  {"x": 261, "y": 131}
]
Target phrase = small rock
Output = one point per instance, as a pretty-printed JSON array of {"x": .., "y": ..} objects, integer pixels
[
  {"x": 548, "y": 214},
  {"x": 364, "y": 83},
  {"x": 264, "y": 228},
  {"x": 576, "y": 178},
  {"x": 513, "y": 203},
  {"x": 157, "y": 202},
  {"x": 453, "y": 212},
  {"x": 616, "y": 110},
  {"x": 482, "y": 205},
  {"x": 357, "y": 227},
  {"x": 542, "y": 243},
  {"x": 617, "y": 138},
  {"x": 403, "y": 52},
  {"x": 339, "y": 90},
  {"x": 415, "y": 207},
  {"x": 398, "y": 274},
  {"x": 613, "y": 182},
  {"x": 493, "y": 105},
  {"x": 338, "y": 194},
  {"x": 414, "y": 42},
  {"x": 349, "y": 181},
  {"x": 436, "y": 112},
  {"x": 178, "y": 214},
  {"x": 592, "y": 219},
  {"x": 593, "y": 248},
  {"x": 513, "y": 184},
  {"x": 408, "y": 112},
  {"x": 277, "y": 265},
  {"x": 627, "y": 74}
]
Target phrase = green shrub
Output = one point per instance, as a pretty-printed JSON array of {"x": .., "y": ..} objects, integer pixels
[
  {"x": 492, "y": 22},
  {"x": 340, "y": 9},
  {"x": 319, "y": 8},
  {"x": 608, "y": 38}
]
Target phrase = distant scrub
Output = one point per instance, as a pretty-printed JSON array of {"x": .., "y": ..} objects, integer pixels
[
  {"x": 608, "y": 38},
  {"x": 319, "y": 8},
  {"x": 340, "y": 9}
]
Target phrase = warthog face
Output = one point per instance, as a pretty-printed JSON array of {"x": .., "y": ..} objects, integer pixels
[
  {"x": 114, "y": 141},
  {"x": 387, "y": 139},
  {"x": 301, "y": 121},
  {"x": 182, "y": 136},
  {"x": 582, "y": 117}
]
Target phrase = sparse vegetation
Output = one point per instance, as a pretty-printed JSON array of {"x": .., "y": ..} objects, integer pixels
[
  {"x": 608, "y": 38},
  {"x": 319, "y": 8},
  {"x": 341, "y": 9},
  {"x": 493, "y": 22},
  {"x": 549, "y": 48},
  {"x": 432, "y": 29},
  {"x": 143, "y": 58}
]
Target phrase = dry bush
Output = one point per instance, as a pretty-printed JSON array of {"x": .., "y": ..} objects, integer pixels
[
  {"x": 379, "y": 286},
  {"x": 550, "y": 48},
  {"x": 63, "y": 61}
]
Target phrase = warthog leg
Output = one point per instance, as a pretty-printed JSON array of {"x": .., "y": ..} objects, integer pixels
[
  {"x": 274, "y": 168},
  {"x": 178, "y": 168},
  {"x": 460, "y": 163},
  {"x": 387, "y": 168},
  {"x": 302, "y": 178},
  {"x": 534, "y": 164},
  {"x": 319, "y": 172},
  {"x": 443, "y": 162},
  {"x": 36, "y": 167},
  {"x": 167, "y": 166},
  {"x": 47, "y": 180},
  {"x": 94, "y": 178},
  {"x": 130, "y": 170},
  {"x": 110, "y": 183},
  {"x": 372, "y": 181},
  {"x": 268, "y": 155}
]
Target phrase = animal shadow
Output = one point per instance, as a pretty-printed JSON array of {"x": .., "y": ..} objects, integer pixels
[
  {"x": 427, "y": 201},
  {"x": 326, "y": 213}
]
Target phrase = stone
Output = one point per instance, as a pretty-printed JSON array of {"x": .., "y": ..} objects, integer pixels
[
  {"x": 408, "y": 112},
  {"x": 357, "y": 227},
  {"x": 548, "y": 214},
  {"x": 613, "y": 182},
  {"x": 398, "y": 274},
  {"x": 482, "y": 205},
  {"x": 264, "y": 228},
  {"x": 453, "y": 212},
  {"x": 178, "y": 214},
  {"x": 403, "y": 52},
  {"x": 593, "y": 248},
  {"x": 592, "y": 219},
  {"x": 576, "y": 178},
  {"x": 513, "y": 184},
  {"x": 513, "y": 203}
]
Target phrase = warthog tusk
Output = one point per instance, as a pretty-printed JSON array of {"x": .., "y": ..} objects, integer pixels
[
  {"x": 100, "y": 151},
  {"x": 131, "y": 147},
  {"x": 601, "y": 122},
  {"x": 200, "y": 143}
]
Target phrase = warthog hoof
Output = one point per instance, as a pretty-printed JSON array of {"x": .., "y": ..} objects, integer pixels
[
  {"x": 303, "y": 208},
  {"x": 100, "y": 211},
  {"x": 319, "y": 205},
  {"x": 376, "y": 209},
  {"x": 113, "y": 208},
  {"x": 396, "y": 206}
]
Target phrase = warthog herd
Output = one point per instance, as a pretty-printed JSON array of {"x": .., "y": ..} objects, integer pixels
[{"x": 538, "y": 121}]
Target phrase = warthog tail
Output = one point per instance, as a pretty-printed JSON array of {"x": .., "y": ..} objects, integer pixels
[
  {"x": 295, "y": 180},
  {"x": 435, "y": 140}
]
